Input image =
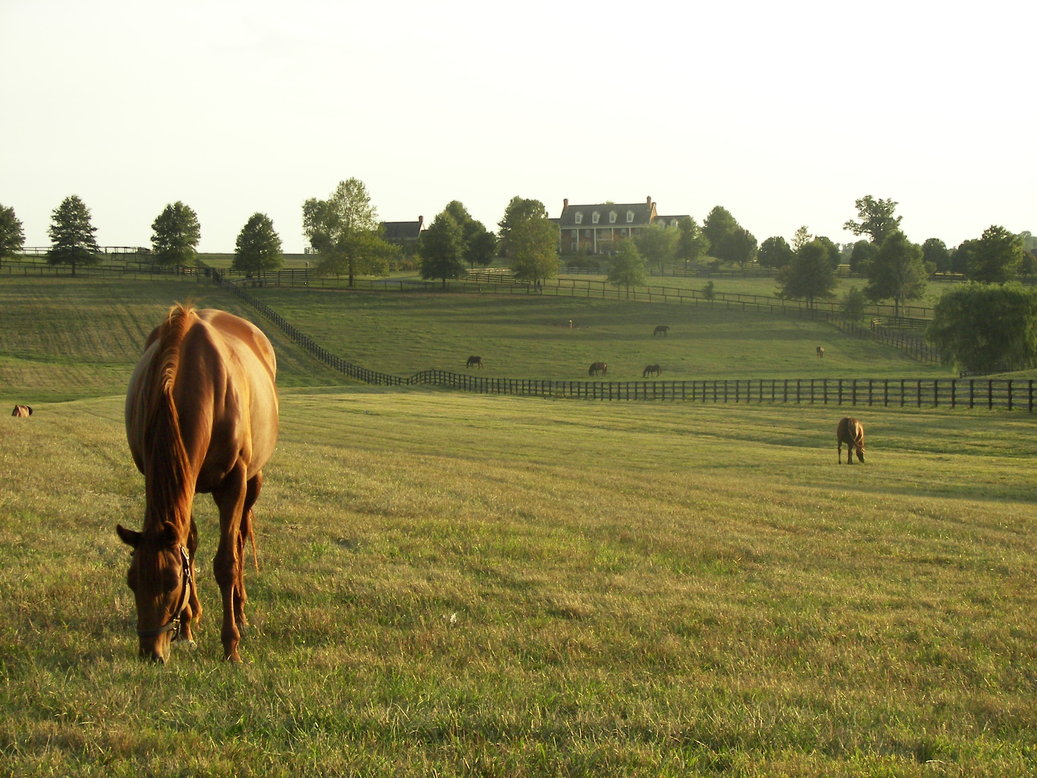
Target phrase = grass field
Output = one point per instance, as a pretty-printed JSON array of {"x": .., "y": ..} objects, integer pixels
[
  {"x": 520, "y": 336},
  {"x": 457, "y": 585}
]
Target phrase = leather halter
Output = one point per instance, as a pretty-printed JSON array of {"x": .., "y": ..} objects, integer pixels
[{"x": 174, "y": 624}]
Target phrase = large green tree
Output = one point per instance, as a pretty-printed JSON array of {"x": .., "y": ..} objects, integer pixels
[
  {"x": 533, "y": 247},
  {"x": 896, "y": 272},
  {"x": 12, "y": 237},
  {"x": 984, "y": 328},
  {"x": 175, "y": 234},
  {"x": 258, "y": 247},
  {"x": 344, "y": 231},
  {"x": 877, "y": 219},
  {"x": 809, "y": 276},
  {"x": 443, "y": 248},
  {"x": 936, "y": 256},
  {"x": 519, "y": 210},
  {"x": 996, "y": 257},
  {"x": 739, "y": 246},
  {"x": 719, "y": 223},
  {"x": 628, "y": 266},
  {"x": 657, "y": 244},
  {"x": 692, "y": 243},
  {"x": 479, "y": 243},
  {"x": 861, "y": 254},
  {"x": 72, "y": 239},
  {"x": 775, "y": 252}
]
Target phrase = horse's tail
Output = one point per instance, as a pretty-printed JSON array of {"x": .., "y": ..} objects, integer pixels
[{"x": 169, "y": 460}]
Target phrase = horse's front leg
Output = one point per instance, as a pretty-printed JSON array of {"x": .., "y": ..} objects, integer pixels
[{"x": 227, "y": 564}]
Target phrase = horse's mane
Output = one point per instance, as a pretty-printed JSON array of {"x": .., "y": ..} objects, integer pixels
[{"x": 170, "y": 490}]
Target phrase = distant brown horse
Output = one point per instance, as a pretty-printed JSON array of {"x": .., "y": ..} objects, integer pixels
[
  {"x": 474, "y": 362},
  {"x": 820, "y": 352},
  {"x": 598, "y": 368},
  {"x": 851, "y": 432},
  {"x": 22, "y": 411},
  {"x": 201, "y": 417},
  {"x": 662, "y": 329},
  {"x": 651, "y": 370}
]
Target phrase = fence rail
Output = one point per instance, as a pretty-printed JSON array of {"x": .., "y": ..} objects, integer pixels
[
  {"x": 1006, "y": 394},
  {"x": 990, "y": 394}
]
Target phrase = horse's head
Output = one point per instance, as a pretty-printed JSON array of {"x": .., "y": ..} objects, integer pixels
[{"x": 160, "y": 577}]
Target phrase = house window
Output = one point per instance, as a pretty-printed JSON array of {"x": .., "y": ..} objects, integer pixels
[
  {"x": 595, "y": 217},
  {"x": 612, "y": 217},
  {"x": 630, "y": 217},
  {"x": 579, "y": 217}
]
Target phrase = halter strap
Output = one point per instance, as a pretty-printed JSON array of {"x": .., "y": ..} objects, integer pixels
[{"x": 173, "y": 625}]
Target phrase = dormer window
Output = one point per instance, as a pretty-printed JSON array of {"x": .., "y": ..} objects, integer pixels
[
  {"x": 595, "y": 217},
  {"x": 612, "y": 217},
  {"x": 630, "y": 217},
  {"x": 579, "y": 217}
]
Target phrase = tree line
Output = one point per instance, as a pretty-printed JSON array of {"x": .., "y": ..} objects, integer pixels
[{"x": 977, "y": 327}]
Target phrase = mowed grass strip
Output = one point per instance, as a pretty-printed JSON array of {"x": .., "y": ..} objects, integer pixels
[
  {"x": 453, "y": 584},
  {"x": 67, "y": 338}
]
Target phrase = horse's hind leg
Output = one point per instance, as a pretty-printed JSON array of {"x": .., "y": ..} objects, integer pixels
[
  {"x": 245, "y": 534},
  {"x": 226, "y": 566}
]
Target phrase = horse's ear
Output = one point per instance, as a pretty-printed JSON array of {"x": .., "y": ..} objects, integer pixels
[{"x": 129, "y": 537}]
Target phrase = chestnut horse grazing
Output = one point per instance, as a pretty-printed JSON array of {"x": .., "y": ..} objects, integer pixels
[
  {"x": 851, "y": 432},
  {"x": 201, "y": 417},
  {"x": 22, "y": 411},
  {"x": 598, "y": 368}
]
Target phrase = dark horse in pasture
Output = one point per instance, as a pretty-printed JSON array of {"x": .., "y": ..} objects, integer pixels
[
  {"x": 851, "y": 432},
  {"x": 201, "y": 417},
  {"x": 22, "y": 411},
  {"x": 662, "y": 329},
  {"x": 474, "y": 362},
  {"x": 651, "y": 370},
  {"x": 598, "y": 368}
]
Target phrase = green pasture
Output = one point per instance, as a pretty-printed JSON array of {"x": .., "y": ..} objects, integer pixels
[
  {"x": 67, "y": 338},
  {"x": 455, "y": 584},
  {"x": 522, "y": 336}
]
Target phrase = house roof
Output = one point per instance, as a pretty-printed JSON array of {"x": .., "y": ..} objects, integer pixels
[
  {"x": 644, "y": 214},
  {"x": 403, "y": 230}
]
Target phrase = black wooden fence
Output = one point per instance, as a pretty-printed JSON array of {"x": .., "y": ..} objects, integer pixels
[{"x": 948, "y": 393}]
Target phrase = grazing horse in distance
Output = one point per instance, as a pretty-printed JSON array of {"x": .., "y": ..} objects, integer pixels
[
  {"x": 851, "y": 432},
  {"x": 651, "y": 370},
  {"x": 820, "y": 352},
  {"x": 201, "y": 417},
  {"x": 662, "y": 329},
  {"x": 474, "y": 362},
  {"x": 22, "y": 411},
  {"x": 598, "y": 368}
]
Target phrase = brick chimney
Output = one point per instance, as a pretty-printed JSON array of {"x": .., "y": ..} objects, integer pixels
[{"x": 565, "y": 203}]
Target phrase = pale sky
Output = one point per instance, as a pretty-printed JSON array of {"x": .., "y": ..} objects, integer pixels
[{"x": 782, "y": 113}]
